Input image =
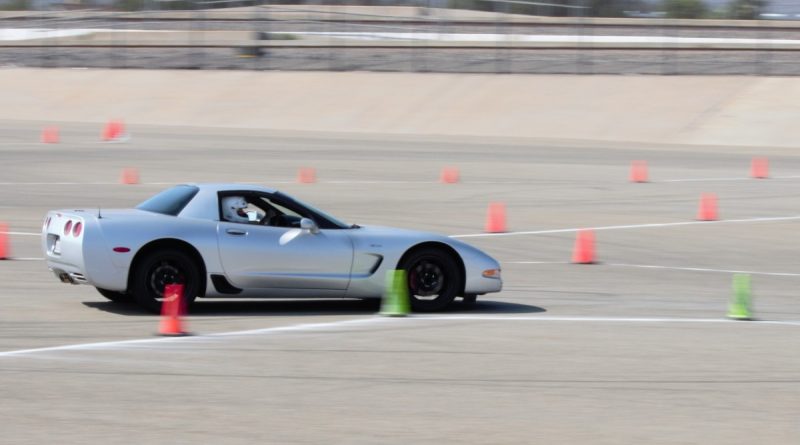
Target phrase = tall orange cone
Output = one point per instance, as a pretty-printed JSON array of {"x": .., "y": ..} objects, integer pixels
[
  {"x": 172, "y": 309},
  {"x": 5, "y": 245},
  {"x": 50, "y": 135},
  {"x": 129, "y": 176},
  {"x": 113, "y": 131},
  {"x": 496, "y": 218},
  {"x": 708, "y": 207},
  {"x": 759, "y": 168},
  {"x": 584, "y": 247},
  {"x": 639, "y": 171},
  {"x": 306, "y": 175},
  {"x": 449, "y": 175}
]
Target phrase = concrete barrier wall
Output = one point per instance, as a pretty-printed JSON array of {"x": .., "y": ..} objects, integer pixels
[
  {"x": 747, "y": 111},
  {"x": 394, "y": 13}
]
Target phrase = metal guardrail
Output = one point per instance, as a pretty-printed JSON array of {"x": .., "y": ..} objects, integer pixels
[{"x": 279, "y": 37}]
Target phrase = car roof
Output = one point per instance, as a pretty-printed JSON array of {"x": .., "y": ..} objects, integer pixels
[{"x": 223, "y": 187}]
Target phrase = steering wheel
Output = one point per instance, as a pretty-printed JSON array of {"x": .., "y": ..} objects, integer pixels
[{"x": 266, "y": 220}]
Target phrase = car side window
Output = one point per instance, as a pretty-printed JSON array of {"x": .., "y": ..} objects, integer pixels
[
  {"x": 261, "y": 209},
  {"x": 278, "y": 215},
  {"x": 240, "y": 210}
]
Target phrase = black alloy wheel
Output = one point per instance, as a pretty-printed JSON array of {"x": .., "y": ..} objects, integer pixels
[
  {"x": 433, "y": 277},
  {"x": 161, "y": 268}
]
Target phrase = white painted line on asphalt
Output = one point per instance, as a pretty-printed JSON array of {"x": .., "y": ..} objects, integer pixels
[
  {"x": 58, "y": 183},
  {"x": 237, "y": 182},
  {"x": 331, "y": 182},
  {"x": 631, "y": 226},
  {"x": 738, "y": 178},
  {"x": 704, "y": 269},
  {"x": 87, "y": 183},
  {"x": 535, "y": 262},
  {"x": 554, "y": 318},
  {"x": 544, "y": 38},
  {"x": 428, "y": 182},
  {"x": 377, "y": 181},
  {"x": 25, "y": 259},
  {"x": 306, "y": 327},
  {"x": 39, "y": 33},
  {"x": 651, "y": 266},
  {"x": 301, "y": 327},
  {"x": 22, "y": 233}
]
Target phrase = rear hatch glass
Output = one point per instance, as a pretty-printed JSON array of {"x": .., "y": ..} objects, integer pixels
[{"x": 171, "y": 201}]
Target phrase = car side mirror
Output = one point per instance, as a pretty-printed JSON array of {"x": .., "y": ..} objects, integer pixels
[{"x": 309, "y": 224}]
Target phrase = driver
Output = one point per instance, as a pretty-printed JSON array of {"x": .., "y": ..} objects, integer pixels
[{"x": 233, "y": 209}]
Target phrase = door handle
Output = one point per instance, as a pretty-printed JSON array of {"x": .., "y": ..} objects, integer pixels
[{"x": 236, "y": 232}]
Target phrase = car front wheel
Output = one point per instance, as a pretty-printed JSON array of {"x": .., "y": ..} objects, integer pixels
[
  {"x": 163, "y": 267},
  {"x": 433, "y": 278}
]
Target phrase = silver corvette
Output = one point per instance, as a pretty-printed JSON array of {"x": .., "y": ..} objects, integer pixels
[{"x": 231, "y": 240}]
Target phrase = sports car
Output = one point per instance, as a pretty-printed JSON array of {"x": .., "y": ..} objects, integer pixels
[{"x": 232, "y": 240}]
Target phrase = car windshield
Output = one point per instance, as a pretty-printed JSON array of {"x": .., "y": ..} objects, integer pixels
[
  {"x": 315, "y": 210},
  {"x": 171, "y": 201}
]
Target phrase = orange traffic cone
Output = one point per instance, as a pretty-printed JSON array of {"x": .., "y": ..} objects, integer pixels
[
  {"x": 759, "y": 168},
  {"x": 584, "y": 247},
  {"x": 114, "y": 130},
  {"x": 708, "y": 207},
  {"x": 129, "y": 176},
  {"x": 449, "y": 175},
  {"x": 5, "y": 245},
  {"x": 639, "y": 171},
  {"x": 50, "y": 135},
  {"x": 306, "y": 175},
  {"x": 172, "y": 309},
  {"x": 496, "y": 218}
]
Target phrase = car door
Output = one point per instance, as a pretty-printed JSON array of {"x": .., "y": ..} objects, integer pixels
[{"x": 258, "y": 257}]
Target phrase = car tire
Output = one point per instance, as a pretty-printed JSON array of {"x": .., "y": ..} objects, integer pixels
[
  {"x": 117, "y": 297},
  {"x": 162, "y": 267},
  {"x": 434, "y": 279}
]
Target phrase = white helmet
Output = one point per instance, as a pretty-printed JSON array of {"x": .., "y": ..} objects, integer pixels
[{"x": 233, "y": 209}]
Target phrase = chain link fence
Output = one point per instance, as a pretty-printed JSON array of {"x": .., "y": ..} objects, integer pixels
[{"x": 501, "y": 36}]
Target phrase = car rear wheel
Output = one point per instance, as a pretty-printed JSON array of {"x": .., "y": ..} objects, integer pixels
[
  {"x": 160, "y": 268},
  {"x": 117, "y": 297},
  {"x": 434, "y": 279}
]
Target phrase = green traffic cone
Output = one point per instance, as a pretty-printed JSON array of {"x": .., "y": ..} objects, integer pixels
[
  {"x": 739, "y": 308},
  {"x": 395, "y": 299}
]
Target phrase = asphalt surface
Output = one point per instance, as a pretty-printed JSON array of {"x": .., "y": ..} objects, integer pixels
[{"x": 608, "y": 353}]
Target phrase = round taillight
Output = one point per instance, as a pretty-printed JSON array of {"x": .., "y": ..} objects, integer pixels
[
  {"x": 76, "y": 230},
  {"x": 67, "y": 227}
]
